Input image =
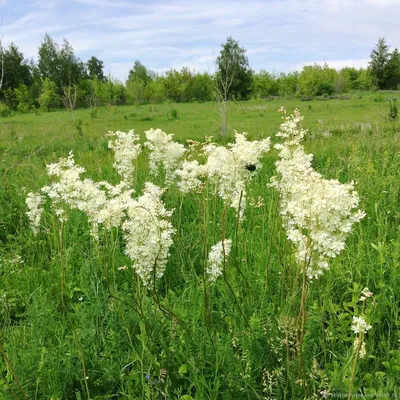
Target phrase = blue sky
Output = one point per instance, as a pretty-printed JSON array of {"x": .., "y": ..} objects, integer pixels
[{"x": 279, "y": 35}]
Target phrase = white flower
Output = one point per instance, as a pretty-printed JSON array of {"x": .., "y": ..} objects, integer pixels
[
  {"x": 126, "y": 151},
  {"x": 101, "y": 202},
  {"x": 360, "y": 325},
  {"x": 148, "y": 234},
  {"x": 229, "y": 169},
  {"x": 366, "y": 293},
  {"x": 216, "y": 258},
  {"x": 34, "y": 202},
  {"x": 190, "y": 174},
  {"x": 164, "y": 152},
  {"x": 317, "y": 213}
]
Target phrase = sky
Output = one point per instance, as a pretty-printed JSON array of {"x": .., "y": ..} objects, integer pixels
[{"x": 278, "y": 35}]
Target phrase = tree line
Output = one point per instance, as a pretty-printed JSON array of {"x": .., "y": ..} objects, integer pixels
[{"x": 60, "y": 78}]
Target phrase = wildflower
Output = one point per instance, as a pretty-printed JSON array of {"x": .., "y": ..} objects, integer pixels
[
  {"x": 360, "y": 325},
  {"x": 164, "y": 152},
  {"x": 126, "y": 150},
  {"x": 366, "y": 293},
  {"x": 216, "y": 259},
  {"x": 148, "y": 234},
  {"x": 190, "y": 174},
  {"x": 34, "y": 213},
  {"x": 228, "y": 168},
  {"x": 317, "y": 213},
  {"x": 359, "y": 345}
]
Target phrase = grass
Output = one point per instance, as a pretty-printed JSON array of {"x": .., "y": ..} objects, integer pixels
[{"x": 243, "y": 345}]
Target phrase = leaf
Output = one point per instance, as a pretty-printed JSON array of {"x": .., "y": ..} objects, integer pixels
[{"x": 183, "y": 369}]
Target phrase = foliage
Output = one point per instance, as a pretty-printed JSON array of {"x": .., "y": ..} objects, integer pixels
[
  {"x": 233, "y": 66},
  {"x": 49, "y": 98},
  {"x": 317, "y": 80},
  {"x": 24, "y": 99},
  {"x": 379, "y": 59},
  {"x": 5, "y": 111}
]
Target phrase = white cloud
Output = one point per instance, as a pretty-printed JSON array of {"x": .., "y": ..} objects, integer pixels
[{"x": 163, "y": 34}]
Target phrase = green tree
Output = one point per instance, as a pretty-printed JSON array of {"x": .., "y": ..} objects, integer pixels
[
  {"x": 95, "y": 68},
  {"x": 139, "y": 71},
  {"x": 392, "y": 71},
  {"x": 49, "y": 98},
  {"x": 71, "y": 69},
  {"x": 379, "y": 59},
  {"x": 24, "y": 98},
  {"x": 234, "y": 75},
  {"x": 265, "y": 84},
  {"x": 16, "y": 68},
  {"x": 317, "y": 80},
  {"x": 48, "y": 59}
]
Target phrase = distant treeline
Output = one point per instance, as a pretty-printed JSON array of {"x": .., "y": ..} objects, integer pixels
[{"x": 60, "y": 78}]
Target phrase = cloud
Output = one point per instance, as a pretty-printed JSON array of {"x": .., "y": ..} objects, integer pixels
[{"x": 164, "y": 34}]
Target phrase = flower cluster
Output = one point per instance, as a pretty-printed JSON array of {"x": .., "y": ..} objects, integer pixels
[
  {"x": 34, "y": 202},
  {"x": 126, "y": 150},
  {"x": 317, "y": 213},
  {"x": 216, "y": 259},
  {"x": 189, "y": 176},
  {"x": 164, "y": 153},
  {"x": 360, "y": 325},
  {"x": 148, "y": 234},
  {"x": 365, "y": 294},
  {"x": 229, "y": 169},
  {"x": 101, "y": 202}
]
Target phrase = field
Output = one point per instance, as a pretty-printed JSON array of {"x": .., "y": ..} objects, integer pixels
[{"x": 77, "y": 324}]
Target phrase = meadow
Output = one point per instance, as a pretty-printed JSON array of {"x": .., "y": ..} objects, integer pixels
[{"x": 78, "y": 322}]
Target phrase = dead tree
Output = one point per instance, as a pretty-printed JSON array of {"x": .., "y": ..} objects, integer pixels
[{"x": 221, "y": 85}]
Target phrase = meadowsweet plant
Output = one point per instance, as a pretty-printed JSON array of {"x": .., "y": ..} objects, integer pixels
[
  {"x": 148, "y": 234},
  {"x": 101, "y": 202},
  {"x": 216, "y": 259},
  {"x": 318, "y": 214},
  {"x": 126, "y": 149},
  {"x": 164, "y": 153},
  {"x": 34, "y": 203},
  {"x": 229, "y": 169},
  {"x": 360, "y": 327}
]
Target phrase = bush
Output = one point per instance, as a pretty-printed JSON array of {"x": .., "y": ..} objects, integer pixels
[
  {"x": 49, "y": 97},
  {"x": 4, "y": 110}
]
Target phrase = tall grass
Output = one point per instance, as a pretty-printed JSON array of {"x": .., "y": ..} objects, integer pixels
[{"x": 76, "y": 323}]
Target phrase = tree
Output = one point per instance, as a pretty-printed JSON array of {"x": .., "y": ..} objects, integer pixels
[
  {"x": 49, "y": 60},
  {"x": 95, "y": 68},
  {"x": 392, "y": 71},
  {"x": 233, "y": 70},
  {"x": 379, "y": 59},
  {"x": 16, "y": 68},
  {"x": 49, "y": 97},
  {"x": 72, "y": 70},
  {"x": 139, "y": 71}
]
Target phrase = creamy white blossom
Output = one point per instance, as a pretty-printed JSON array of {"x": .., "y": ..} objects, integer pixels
[
  {"x": 126, "y": 150},
  {"x": 164, "y": 153},
  {"x": 317, "y": 213},
  {"x": 190, "y": 176},
  {"x": 216, "y": 257},
  {"x": 101, "y": 202},
  {"x": 360, "y": 325},
  {"x": 229, "y": 169},
  {"x": 365, "y": 294},
  {"x": 148, "y": 233},
  {"x": 34, "y": 202}
]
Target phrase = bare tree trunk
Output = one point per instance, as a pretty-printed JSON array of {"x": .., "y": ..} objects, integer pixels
[{"x": 221, "y": 85}]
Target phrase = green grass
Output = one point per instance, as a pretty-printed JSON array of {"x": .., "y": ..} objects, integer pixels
[{"x": 247, "y": 348}]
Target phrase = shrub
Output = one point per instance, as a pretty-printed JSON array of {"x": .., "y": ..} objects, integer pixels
[{"x": 4, "y": 110}]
